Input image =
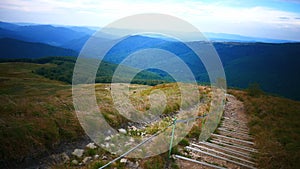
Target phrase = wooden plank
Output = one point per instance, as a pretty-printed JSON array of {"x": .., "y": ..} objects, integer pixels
[
  {"x": 234, "y": 146},
  {"x": 224, "y": 154},
  {"x": 234, "y": 126},
  {"x": 219, "y": 157},
  {"x": 228, "y": 150},
  {"x": 236, "y": 135},
  {"x": 230, "y": 130},
  {"x": 199, "y": 162},
  {"x": 235, "y": 139}
]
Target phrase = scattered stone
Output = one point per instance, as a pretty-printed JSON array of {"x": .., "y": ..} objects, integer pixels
[
  {"x": 134, "y": 128},
  {"x": 65, "y": 158},
  {"x": 107, "y": 145},
  {"x": 96, "y": 156},
  {"x": 123, "y": 160},
  {"x": 123, "y": 131},
  {"x": 112, "y": 145},
  {"x": 107, "y": 138},
  {"x": 86, "y": 159},
  {"x": 78, "y": 152},
  {"x": 91, "y": 146},
  {"x": 104, "y": 158},
  {"x": 74, "y": 162}
]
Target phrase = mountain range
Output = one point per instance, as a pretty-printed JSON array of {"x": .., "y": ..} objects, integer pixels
[{"x": 271, "y": 63}]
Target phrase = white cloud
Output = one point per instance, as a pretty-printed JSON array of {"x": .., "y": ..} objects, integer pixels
[{"x": 206, "y": 16}]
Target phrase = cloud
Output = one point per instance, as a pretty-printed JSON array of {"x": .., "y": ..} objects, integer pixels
[
  {"x": 213, "y": 16},
  {"x": 284, "y": 18}
]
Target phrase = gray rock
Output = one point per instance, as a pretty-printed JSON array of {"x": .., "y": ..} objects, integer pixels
[
  {"x": 96, "y": 156},
  {"x": 74, "y": 162},
  {"x": 65, "y": 158},
  {"x": 123, "y": 160},
  {"x": 104, "y": 158},
  {"x": 123, "y": 131},
  {"x": 91, "y": 146},
  {"x": 78, "y": 152},
  {"x": 107, "y": 138},
  {"x": 86, "y": 160},
  {"x": 134, "y": 128}
]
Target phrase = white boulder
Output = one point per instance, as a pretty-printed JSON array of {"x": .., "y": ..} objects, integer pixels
[
  {"x": 78, "y": 152},
  {"x": 91, "y": 146},
  {"x": 123, "y": 131},
  {"x": 86, "y": 159},
  {"x": 123, "y": 160}
]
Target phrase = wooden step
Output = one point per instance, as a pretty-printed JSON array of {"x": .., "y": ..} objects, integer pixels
[
  {"x": 232, "y": 139},
  {"x": 235, "y": 135},
  {"x": 234, "y": 126},
  {"x": 223, "y": 154},
  {"x": 219, "y": 157},
  {"x": 199, "y": 162},
  {"x": 228, "y": 150},
  {"x": 219, "y": 142},
  {"x": 231, "y": 130}
]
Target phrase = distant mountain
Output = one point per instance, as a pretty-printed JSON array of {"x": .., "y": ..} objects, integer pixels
[
  {"x": 224, "y": 37},
  {"x": 12, "y": 48},
  {"x": 273, "y": 65},
  {"x": 48, "y": 34}
]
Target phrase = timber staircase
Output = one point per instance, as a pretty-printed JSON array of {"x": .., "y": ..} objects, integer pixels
[{"x": 231, "y": 146}]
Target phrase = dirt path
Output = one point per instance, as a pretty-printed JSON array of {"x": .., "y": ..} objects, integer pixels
[{"x": 231, "y": 146}]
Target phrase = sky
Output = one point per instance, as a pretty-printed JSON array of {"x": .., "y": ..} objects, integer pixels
[{"x": 276, "y": 19}]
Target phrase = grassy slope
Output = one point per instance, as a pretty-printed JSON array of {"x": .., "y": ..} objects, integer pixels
[
  {"x": 36, "y": 113},
  {"x": 275, "y": 124}
]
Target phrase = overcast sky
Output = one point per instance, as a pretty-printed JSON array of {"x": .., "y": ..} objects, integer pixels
[{"x": 278, "y": 19}]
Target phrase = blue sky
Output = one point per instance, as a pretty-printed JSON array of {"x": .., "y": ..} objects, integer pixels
[{"x": 278, "y": 19}]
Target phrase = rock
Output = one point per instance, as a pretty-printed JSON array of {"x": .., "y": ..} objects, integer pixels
[
  {"x": 78, "y": 152},
  {"x": 107, "y": 145},
  {"x": 74, "y": 162},
  {"x": 134, "y": 128},
  {"x": 91, "y": 146},
  {"x": 112, "y": 145},
  {"x": 65, "y": 157},
  {"x": 86, "y": 160},
  {"x": 123, "y": 160},
  {"x": 96, "y": 156},
  {"x": 107, "y": 138},
  {"x": 123, "y": 131},
  {"x": 104, "y": 158}
]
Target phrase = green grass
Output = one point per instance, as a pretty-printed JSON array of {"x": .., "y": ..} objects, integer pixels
[
  {"x": 37, "y": 113},
  {"x": 275, "y": 124}
]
